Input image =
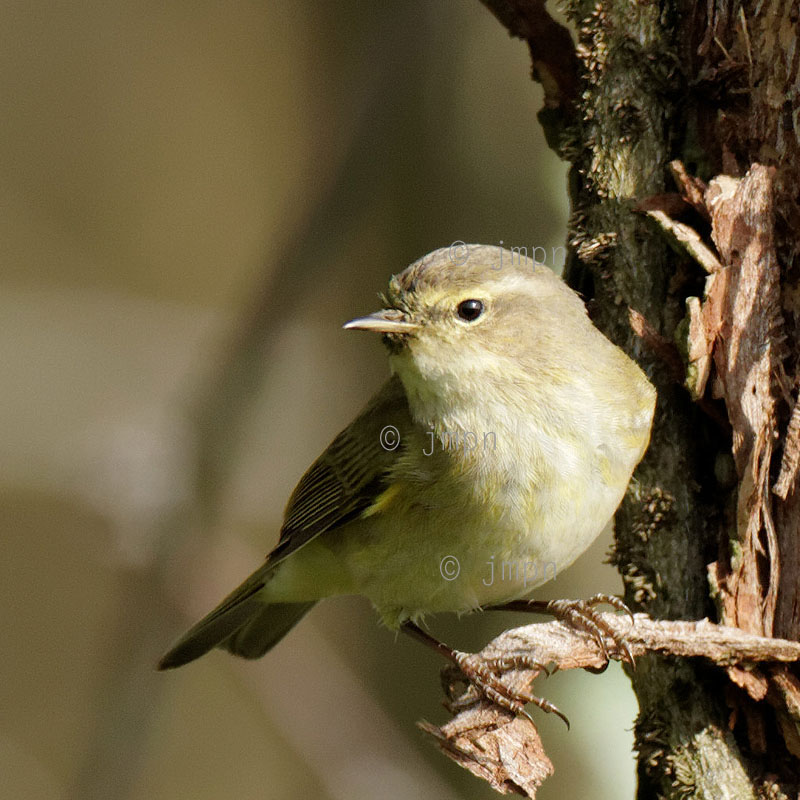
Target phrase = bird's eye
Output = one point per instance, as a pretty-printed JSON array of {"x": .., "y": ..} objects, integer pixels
[{"x": 470, "y": 310}]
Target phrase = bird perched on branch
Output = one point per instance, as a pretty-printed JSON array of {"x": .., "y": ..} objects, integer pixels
[{"x": 507, "y": 435}]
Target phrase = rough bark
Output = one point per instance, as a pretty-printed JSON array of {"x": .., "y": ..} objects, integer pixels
[{"x": 710, "y": 525}]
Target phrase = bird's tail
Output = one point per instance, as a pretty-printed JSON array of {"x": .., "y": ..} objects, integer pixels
[
  {"x": 242, "y": 623},
  {"x": 265, "y": 629}
]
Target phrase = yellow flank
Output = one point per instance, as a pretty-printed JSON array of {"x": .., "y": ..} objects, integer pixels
[{"x": 383, "y": 501}]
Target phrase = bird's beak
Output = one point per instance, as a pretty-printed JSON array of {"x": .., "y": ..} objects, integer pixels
[{"x": 388, "y": 320}]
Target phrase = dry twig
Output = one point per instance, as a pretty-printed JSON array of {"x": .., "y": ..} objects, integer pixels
[{"x": 507, "y": 751}]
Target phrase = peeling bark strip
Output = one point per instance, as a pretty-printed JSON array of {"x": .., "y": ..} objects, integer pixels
[
  {"x": 555, "y": 64},
  {"x": 790, "y": 462},
  {"x": 507, "y": 751},
  {"x": 740, "y": 327}
]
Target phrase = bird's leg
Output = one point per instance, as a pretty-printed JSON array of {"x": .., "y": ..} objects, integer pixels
[
  {"x": 481, "y": 673},
  {"x": 580, "y": 615}
]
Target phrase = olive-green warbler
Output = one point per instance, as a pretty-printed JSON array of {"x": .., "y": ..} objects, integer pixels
[{"x": 506, "y": 435}]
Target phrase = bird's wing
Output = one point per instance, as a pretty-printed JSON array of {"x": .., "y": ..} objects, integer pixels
[
  {"x": 352, "y": 472},
  {"x": 344, "y": 481}
]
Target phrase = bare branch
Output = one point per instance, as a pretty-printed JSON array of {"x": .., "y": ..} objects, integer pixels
[{"x": 507, "y": 751}]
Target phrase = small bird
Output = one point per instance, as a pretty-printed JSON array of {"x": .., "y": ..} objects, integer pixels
[{"x": 507, "y": 435}]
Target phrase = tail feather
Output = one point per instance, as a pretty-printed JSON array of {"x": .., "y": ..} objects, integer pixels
[
  {"x": 265, "y": 629},
  {"x": 211, "y": 631},
  {"x": 242, "y": 623}
]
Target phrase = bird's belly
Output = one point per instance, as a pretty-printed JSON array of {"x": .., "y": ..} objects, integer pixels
[{"x": 436, "y": 566}]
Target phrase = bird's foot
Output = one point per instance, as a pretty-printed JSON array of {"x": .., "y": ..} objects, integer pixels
[
  {"x": 485, "y": 676},
  {"x": 581, "y": 615}
]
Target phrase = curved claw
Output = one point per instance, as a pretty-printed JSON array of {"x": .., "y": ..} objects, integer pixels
[
  {"x": 480, "y": 674},
  {"x": 580, "y": 615},
  {"x": 617, "y": 603},
  {"x": 551, "y": 708}
]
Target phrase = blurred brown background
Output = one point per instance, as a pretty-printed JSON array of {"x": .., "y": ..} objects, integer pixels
[{"x": 193, "y": 198}]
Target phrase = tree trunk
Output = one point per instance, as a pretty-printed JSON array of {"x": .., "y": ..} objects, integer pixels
[{"x": 710, "y": 526}]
